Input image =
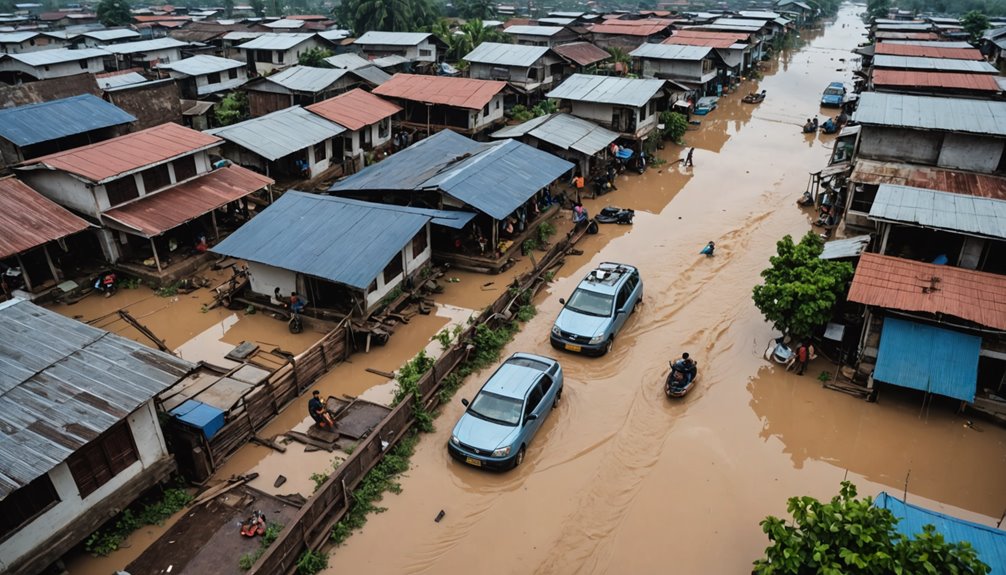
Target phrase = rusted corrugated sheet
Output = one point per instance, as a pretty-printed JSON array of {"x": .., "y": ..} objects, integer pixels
[
  {"x": 906, "y": 36},
  {"x": 582, "y": 53},
  {"x": 930, "y": 178},
  {"x": 155, "y": 214},
  {"x": 64, "y": 383},
  {"x": 458, "y": 92},
  {"x": 910, "y": 78},
  {"x": 111, "y": 158},
  {"x": 29, "y": 219},
  {"x": 628, "y": 28},
  {"x": 355, "y": 109},
  {"x": 932, "y": 51},
  {"x": 908, "y": 285},
  {"x": 706, "y": 38}
]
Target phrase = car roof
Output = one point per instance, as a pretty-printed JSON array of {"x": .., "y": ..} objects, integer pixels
[
  {"x": 836, "y": 85},
  {"x": 512, "y": 380},
  {"x": 607, "y": 277}
]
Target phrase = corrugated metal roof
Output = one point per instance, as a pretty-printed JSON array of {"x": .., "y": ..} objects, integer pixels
[
  {"x": 110, "y": 159},
  {"x": 607, "y": 90},
  {"x": 348, "y": 61},
  {"x": 930, "y": 178},
  {"x": 307, "y": 79},
  {"x": 582, "y": 53},
  {"x": 63, "y": 383},
  {"x": 948, "y": 80},
  {"x": 390, "y": 61},
  {"x": 242, "y": 35},
  {"x": 556, "y": 21},
  {"x": 201, "y": 65},
  {"x": 936, "y": 43},
  {"x": 459, "y": 92},
  {"x": 372, "y": 75},
  {"x": 506, "y": 54},
  {"x": 355, "y": 109},
  {"x": 280, "y": 133},
  {"x": 117, "y": 34},
  {"x": 563, "y": 131},
  {"x": 989, "y": 542},
  {"x": 726, "y": 25},
  {"x": 907, "y": 285},
  {"x": 845, "y": 248},
  {"x": 47, "y": 121},
  {"x": 275, "y": 41},
  {"x": 119, "y": 80},
  {"x": 494, "y": 178},
  {"x": 334, "y": 35},
  {"x": 154, "y": 214},
  {"x": 880, "y": 36},
  {"x": 16, "y": 37},
  {"x": 145, "y": 46},
  {"x": 377, "y": 38},
  {"x": 57, "y": 56},
  {"x": 903, "y": 27},
  {"x": 758, "y": 14},
  {"x": 928, "y": 51},
  {"x": 677, "y": 40},
  {"x": 561, "y": 14},
  {"x": 926, "y": 112},
  {"x": 284, "y": 24},
  {"x": 741, "y": 22},
  {"x": 29, "y": 219},
  {"x": 940, "y": 210},
  {"x": 350, "y": 242},
  {"x": 928, "y": 358},
  {"x": 534, "y": 30},
  {"x": 627, "y": 28},
  {"x": 671, "y": 52}
]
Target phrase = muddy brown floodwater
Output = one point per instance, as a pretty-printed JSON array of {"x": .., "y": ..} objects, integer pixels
[{"x": 622, "y": 480}]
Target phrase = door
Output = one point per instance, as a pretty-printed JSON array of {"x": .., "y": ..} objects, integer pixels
[
  {"x": 531, "y": 405},
  {"x": 622, "y": 306}
]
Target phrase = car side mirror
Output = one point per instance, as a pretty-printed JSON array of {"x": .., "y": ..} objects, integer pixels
[
  {"x": 464, "y": 402},
  {"x": 562, "y": 301},
  {"x": 530, "y": 417}
]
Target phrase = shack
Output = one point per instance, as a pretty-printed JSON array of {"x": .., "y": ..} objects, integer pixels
[
  {"x": 529, "y": 70},
  {"x": 22, "y": 41},
  {"x": 46, "y": 64},
  {"x": 366, "y": 117},
  {"x": 936, "y": 83},
  {"x": 630, "y": 34},
  {"x": 526, "y": 35},
  {"x": 625, "y": 105},
  {"x": 434, "y": 103},
  {"x": 81, "y": 434},
  {"x": 204, "y": 75},
  {"x": 695, "y": 65},
  {"x": 297, "y": 86},
  {"x": 737, "y": 50},
  {"x": 364, "y": 250},
  {"x": 291, "y": 143},
  {"x": 35, "y": 130},
  {"x": 574, "y": 139},
  {"x": 145, "y": 54},
  {"x": 270, "y": 51},
  {"x": 450, "y": 171},
  {"x": 99, "y": 38},
  {"x": 581, "y": 57},
  {"x": 413, "y": 46}
]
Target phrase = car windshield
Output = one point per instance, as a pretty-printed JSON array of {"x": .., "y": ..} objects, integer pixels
[
  {"x": 496, "y": 408},
  {"x": 833, "y": 92},
  {"x": 590, "y": 303}
]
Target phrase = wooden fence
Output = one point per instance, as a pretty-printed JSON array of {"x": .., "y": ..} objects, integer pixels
[{"x": 312, "y": 526}]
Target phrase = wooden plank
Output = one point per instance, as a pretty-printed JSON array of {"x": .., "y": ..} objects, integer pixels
[{"x": 307, "y": 440}]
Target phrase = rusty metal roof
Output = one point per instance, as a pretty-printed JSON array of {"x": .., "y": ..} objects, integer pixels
[
  {"x": 629, "y": 28},
  {"x": 909, "y": 78},
  {"x": 154, "y": 214},
  {"x": 906, "y": 36},
  {"x": 458, "y": 92},
  {"x": 677, "y": 40},
  {"x": 107, "y": 160},
  {"x": 930, "y": 51},
  {"x": 582, "y": 53},
  {"x": 29, "y": 219},
  {"x": 63, "y": 383},
  {"x": 929, "y": 177},
  {"x": 907, "y": 285},
  {"x": 355, "y": 109}
]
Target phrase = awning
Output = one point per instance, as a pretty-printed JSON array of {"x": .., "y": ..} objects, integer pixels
[
  {"x": 928, "y": 358},
  {"x": 155, "y": 214}
]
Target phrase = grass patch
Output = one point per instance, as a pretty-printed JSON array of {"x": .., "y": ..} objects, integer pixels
[
  {"x": 107, "y": 539},
  {"x": 271, "y": 533}
]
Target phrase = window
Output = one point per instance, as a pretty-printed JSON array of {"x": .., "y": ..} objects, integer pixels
[
  {"x": 83, "y": 64},
  {"x": 497, "y": 103},
  {"x": 279, "y": 56},
  {"x": 98, "y": 462},
  {"x": 485, "y": 111},
  {"x": 419, "y": 243},
  {"x": 156, "y": 178},
  {"x": 320, "y": 153},
  {"x": 653, "y": 108},
  {"x": 623, "y": 297},
  {"x": 185, "y": 168},
  {"x": 25, "y": 504},
  {"x": 372, "y": 287},
  {"x": 532, "y": 74},
  {"x": 263, "y": 55},
  {"x": 213, "y": 78},
  {"x": 232, "y": 73},
  {"x": 393, "y": 269},
  {"x": 383, "y": 127},
  {"x": 121, "y": 190},
  {"x": 533, "y": 399},
  {"x": 424, "y": 53}
]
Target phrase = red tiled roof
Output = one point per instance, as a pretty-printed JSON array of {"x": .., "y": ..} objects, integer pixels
[
  {"x": 157, "y": 213},
  {"x": 889, "y": 49},
  {"x": 355, "y": 109},
  {"x": 459, "y": 92},
  {"x": 29, "y": 219},
  {"x": 977, "y": 82},
  {"x": 929, "y": 178},
  {"x": 629, "y": 27},
  {"x": 883, "y": 35},
  {"x": 111, "y": 158},
  {"x": 583, "y": 53},
  {"x": 907, "y": 285}
]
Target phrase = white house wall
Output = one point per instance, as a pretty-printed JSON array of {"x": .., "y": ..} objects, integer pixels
[
  {"x": 410, "y": 266},
  {"x": 150, "y": 448},
  {"x": 63, "y": 189},
  {"x": 319, "y": 165},
  {"x": 265, "y": 279},
  {"x": 969, "y": 152},
  {"x": 495, "y": 113},
  {"x": 90, "y": 65},
  {"x": 900, "y": 145}
]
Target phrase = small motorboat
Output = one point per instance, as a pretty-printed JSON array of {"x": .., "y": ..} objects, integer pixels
[
  {"x": 613, "y": 215},
  {"x": 754, "y": 98},
  {"x": 679, "y": 381}
]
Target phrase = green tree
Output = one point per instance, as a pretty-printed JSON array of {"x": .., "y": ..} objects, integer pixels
[
  {"x": 620, "y": 56},
  {"x": 675, "y": 126},
  {"x": 800, "y": 288},
  {"x": 258, "y": 7},
  {"x": 228, "y": 8},
  {"x": 232, "y": 109},
  {"x": 387, "y": 15},
  {"x": 975, "y": 23},
  {"x": 877, "y": 9},
  {"x": 7, "y": 6},
  {"x": 481, "y": 9},
  {"x": 315, "y": 57},
  {"x": 849, "y": 536},
  {"x": 464, "y": 39},
  {"x": 114, "y": 12}
]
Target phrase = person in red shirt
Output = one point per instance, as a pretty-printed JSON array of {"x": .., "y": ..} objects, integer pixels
[{"x": 802, "y": 357}]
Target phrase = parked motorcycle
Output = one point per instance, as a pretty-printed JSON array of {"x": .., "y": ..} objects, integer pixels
[
  {"x": 681, "y": 379},
  {"x": 613, "y": 215}
]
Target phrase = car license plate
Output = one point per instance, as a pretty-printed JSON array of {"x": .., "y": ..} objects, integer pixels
[
  {"x": 473, "y": 461},
  {"x": 572, "y": 347}
]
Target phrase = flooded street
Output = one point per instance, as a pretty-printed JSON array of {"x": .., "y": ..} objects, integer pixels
[{"x": 622, "y": 480}]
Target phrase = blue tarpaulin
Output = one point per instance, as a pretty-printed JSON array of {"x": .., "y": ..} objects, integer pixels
[
  {"x": 989, "y": 542},
  {"x": 928, "y": 358},
  {"x": 204, "y": 417}
]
